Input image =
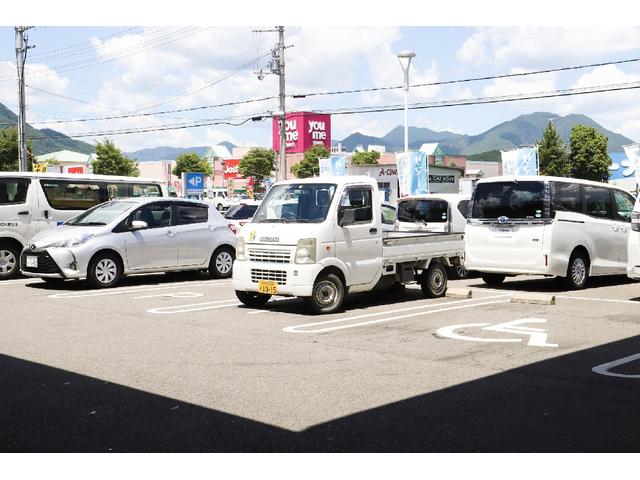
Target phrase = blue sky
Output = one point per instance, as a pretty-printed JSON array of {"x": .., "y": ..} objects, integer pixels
[{"x": 172, "y": 62}]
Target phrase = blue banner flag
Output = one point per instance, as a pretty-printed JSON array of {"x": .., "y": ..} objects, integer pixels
[{"x": 413, "y": 173}]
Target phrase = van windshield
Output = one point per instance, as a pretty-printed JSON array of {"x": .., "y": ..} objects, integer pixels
[
  {"x": 423, "y": 210},
  {"x": 296, "y": 203},
  {"x": 521, "y": 200}
]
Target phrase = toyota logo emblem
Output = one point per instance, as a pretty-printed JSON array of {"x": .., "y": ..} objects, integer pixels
[{"x": 503, "y": 219}]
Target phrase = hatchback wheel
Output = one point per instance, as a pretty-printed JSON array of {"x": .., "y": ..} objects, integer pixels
[
  {"x": 221, "y": 265},
  {"x": 9, "y": 264},
  {"x": 104, "y": 271}
]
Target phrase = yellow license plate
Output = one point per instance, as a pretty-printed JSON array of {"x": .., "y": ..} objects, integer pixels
[{"x": 268, "y": 286}]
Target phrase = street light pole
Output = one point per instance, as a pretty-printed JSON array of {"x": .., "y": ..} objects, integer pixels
[{"x": 405, "y": 62}]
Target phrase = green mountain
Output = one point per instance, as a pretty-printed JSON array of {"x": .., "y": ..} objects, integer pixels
[
  {"x": 522, "y": 130},
  {"x": 46, "y": 140}
]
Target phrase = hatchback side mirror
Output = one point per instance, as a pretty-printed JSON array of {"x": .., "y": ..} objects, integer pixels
[{"x": 139, "y": 225}]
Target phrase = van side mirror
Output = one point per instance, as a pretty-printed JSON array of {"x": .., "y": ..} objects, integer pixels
[
  {"x": 139, "y": 225},
  {"x": 347, "y": 217}
]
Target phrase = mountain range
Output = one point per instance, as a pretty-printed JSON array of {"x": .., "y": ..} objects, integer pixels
[{"x": 522, "y": 130}]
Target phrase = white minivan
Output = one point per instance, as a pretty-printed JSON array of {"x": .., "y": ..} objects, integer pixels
[
  {"x": 33, "y": 202},
  {"x": 554, "y": 226},
  {"x": 433, "y": 212},
  {"x": 633, "y": 245}
]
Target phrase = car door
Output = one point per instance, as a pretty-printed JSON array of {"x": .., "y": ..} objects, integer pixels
[
  {"x": 623, "y": 206},
  {"x": 153, "y": 247},
  {"x": 194, "y": 239},
  {"x": 359, "y": 245},
  {"x": 17, "y": 204},
  {"x": 602, "y": 230}
]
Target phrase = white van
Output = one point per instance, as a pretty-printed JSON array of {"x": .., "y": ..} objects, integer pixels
[
  {"x": 633, "y": 245},
  {"x": 33, "y": 202},
  {"x": 218, "y": 196},
  {"x": 433, "y": 212},
  {"x": 554, "y": 226}
]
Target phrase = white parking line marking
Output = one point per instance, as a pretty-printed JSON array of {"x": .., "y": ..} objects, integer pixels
[
  {"x": 605, "y": 367},
  {"x": 123, "y": 290},
  {"x": 537, "y": 336},
  {"x": 397, "y": 310},
  {"x": 23, "y": 280},
  {"x": 424, "y": 311},
  {"x": 629, "y": 302},
  {"x": 172, "y": 295},
  {"x": 194, "y": 307}
]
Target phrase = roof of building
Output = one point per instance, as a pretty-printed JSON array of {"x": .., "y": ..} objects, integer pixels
[
  {"x": 431, "y": 149},
  {"x": 64, "y": 156}
]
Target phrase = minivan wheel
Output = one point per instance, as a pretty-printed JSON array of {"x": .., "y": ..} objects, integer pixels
[
  {"x": 104, "y": 271},
  {"x": 220, "y": 207},
  {"x": 493, "y": 279},
  {"x": 458, "y": 272},
  {"x": 577, "y": 271},
  {"x": 9, "y": 261},
  {"x": 327, "y": 295},
  {"x": 221, "y": 265},
  {"x": 434, "y": 281},
  {"x": 252, "y": 299}
]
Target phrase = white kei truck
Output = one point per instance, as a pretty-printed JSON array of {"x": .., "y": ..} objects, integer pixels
[{"x": 321, "y": 238}]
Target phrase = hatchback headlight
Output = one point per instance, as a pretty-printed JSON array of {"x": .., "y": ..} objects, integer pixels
[
  {"x": 635, "y": 221},
  {"x": 306, "y": 251},
  {"x": 240, "y": 249},
  {"x": 72, "y": 242}
]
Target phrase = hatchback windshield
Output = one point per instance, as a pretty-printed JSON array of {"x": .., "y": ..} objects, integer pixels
[
  {"x": 296, "y": 203},
  {"x": 101, "y": 214},
  {"x": 423, "y": 210},
  {"x": 524, "y": 200}
]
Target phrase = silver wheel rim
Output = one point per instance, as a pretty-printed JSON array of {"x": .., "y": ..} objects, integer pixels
[
  {"x": 578, "y": 271},
  {"x": 8, "y": 262},
  {"x": 461, "y": 271},
  {"x": 224, "y": 262},
  {"x": 106, "y": 270},
  {"x": 325, "y": 293},
  {"x": 437, "y": 281}
]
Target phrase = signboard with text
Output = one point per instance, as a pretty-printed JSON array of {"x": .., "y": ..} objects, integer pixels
[
  {"x": 303, "y": 130},
  {"x": 231, "y": 169}
]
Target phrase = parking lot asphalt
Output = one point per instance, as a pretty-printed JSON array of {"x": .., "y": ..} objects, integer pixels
[{"x": 175, "y": 363}]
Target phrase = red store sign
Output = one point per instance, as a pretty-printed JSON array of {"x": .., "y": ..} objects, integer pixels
[
  {"x": 302, "y": 131},
  {"x": 231, "y": 169}
]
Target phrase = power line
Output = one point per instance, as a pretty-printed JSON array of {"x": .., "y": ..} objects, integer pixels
[
  {"x": 388, "y": 108},
  {"x": 471, "y": 79}
]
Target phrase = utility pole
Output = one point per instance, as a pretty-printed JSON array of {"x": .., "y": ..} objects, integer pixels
[
  {"x": 21, "y": 57},
  {"x": 276, "y": 66},
  {"x": 283, "y": 142}
]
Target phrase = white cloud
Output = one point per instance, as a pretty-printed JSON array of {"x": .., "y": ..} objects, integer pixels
[
  {"x": 37, "y": 75},
  {"x": 516, "y": 85},
  {"x": 536, "y": 46}
]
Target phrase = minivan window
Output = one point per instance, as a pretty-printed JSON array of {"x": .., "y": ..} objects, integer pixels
[
  {"x": 423, "y": 210},
  {"x": 13, "y": 191},
  {"x": 567, "y": 197},
  {"x": 463, "y": 208},
  {"x": 598, "y": 201},
  {"x": 521, "y": 199},
  {"x": 624, "y": 205},
  {"x": 71, "y": 195}
]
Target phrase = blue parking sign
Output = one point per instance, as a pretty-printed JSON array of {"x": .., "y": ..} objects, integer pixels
[{"x": 194, "y": 183}]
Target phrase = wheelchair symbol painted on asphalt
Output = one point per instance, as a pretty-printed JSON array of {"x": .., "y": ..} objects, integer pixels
[{"x": 537, "y": 336}]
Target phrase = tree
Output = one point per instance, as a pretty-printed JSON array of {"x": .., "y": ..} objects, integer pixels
[
  {"x": 552, "y": 154},
  {"x": 588, "y": 157},
  {"x": 9, "y": 151},
  {"x": 192, "y": 162},
  {"x": 365, "y": 158},
  {"x": 111, "y": 161},
  {"x": 257, "y": 163},
  {"x": 309, "y": 166}
]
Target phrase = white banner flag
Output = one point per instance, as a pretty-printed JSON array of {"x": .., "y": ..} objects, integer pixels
[{"x": 633, "y": 155}]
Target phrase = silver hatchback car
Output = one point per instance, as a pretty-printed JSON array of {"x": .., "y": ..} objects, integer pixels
[{"x": 136, "y": 235}]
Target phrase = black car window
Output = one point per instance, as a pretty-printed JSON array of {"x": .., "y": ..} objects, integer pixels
[
  {"x": 155, "y": 215},
  {"x": 188, "y": 214},
  {"x": 598, "y": 201},
  {"x": 13, "y": 191}
]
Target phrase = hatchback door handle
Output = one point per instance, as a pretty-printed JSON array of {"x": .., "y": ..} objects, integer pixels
[
  {"x": 24, "y": 212},
  {"x": 170, "y": 233},
  {"x": 373, "y": 230}
]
